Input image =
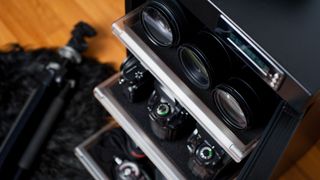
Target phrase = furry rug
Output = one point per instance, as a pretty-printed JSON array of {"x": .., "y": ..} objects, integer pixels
[{"x": 82, "y": 117}]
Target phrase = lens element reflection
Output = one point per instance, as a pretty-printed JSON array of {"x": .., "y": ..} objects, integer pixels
[
  {"x": 194, "y": 67},
  {"x": 230, "y": 107},
  {"x": 157, "y": 26}
]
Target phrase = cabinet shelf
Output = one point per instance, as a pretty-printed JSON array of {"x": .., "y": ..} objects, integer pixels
[
  {"x": 169, "y": 157},
  {"x": 86, "y": 159},
  {"x": 236, "y": 148}
]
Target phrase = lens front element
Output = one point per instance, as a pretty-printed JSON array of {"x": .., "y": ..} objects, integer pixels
[
  {"x": 157, "y": 26},
  {"x": 231, "y": 109},
  {"x": 194, "y": 66}
]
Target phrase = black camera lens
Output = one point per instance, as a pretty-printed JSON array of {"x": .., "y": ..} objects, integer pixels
[
  {"x": 163, "y": 22},
  {"x": 194, "y": 65},
  {"x": 157, "y": 26},
  {"x": 204, "y": 60},
  {"x": 231, "y": 108},
  {"x": 237, "y": 103}
]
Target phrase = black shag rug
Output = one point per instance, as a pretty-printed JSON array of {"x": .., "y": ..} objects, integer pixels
[{"x": 82, "y": 117}]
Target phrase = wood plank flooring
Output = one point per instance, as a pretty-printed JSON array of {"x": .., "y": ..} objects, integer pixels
[
  {"x": 307, "y": 168},
  {"x": 38, "y": 23}
]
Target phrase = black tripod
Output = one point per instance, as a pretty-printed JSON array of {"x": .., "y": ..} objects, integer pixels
[{"x": 35, "y": 121}]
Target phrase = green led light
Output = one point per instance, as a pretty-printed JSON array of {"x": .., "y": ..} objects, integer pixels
[{"x": 210, "y": 153}]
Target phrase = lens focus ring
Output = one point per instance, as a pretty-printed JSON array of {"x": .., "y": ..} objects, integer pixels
[{"x": 204, "y": 60}]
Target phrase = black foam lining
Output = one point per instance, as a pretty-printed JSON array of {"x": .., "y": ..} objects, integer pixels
[
  {"x": 104, "y": 148},
  {"x": 114, "y": 143}
]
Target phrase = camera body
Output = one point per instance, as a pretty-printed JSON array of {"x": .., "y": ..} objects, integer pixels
[
  {"x": 205, "y": 158},
  {"x": 168, "y": 119},
  {"x": 138, "y": 82}
]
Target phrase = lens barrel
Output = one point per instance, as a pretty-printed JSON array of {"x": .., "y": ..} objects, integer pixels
[
  {"x": 204, "y": 60},
  {"x": 164, "y": 22},
  {"x": 237, "y": 103}
]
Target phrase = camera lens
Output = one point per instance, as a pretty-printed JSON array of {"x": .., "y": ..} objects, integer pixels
[
  {"x": 230, "y": 107},
  {"x": 204, "y": 60},
  {"x": 157, "y": 26},
  {"x": 164, "y": 22},
  {"x": 194, "y": 65},
  {"x": 237, "y": 103}
]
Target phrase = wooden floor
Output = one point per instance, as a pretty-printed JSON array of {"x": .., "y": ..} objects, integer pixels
[
  {"x": 35, "y": 23},
  {"x": 308, "y": 167}
]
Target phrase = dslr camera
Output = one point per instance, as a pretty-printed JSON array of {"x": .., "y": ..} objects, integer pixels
[
  {"x": 207, "y": 158},
  {"x": 168, "y": 119},
  {"x": 138, "y": 82}
]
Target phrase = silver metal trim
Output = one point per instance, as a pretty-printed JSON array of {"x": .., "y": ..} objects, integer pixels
[
  {"x": 86, "y": 159},
  {"x": 204, "y": 116},
  {"x": 274, "y": 66},
  {"x": 160, "y": 160},
  {"x": 273, "y": 80}
]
